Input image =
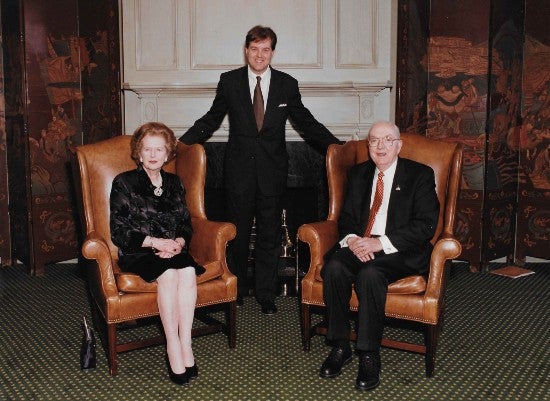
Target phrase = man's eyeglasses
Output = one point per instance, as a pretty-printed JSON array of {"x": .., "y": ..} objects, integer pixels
[{"x": 387, "y": 141}]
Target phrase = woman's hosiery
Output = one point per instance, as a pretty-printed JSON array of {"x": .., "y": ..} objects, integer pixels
[
  {"x": 187, "y": 298},
  {"x": 176, "y": 300}
]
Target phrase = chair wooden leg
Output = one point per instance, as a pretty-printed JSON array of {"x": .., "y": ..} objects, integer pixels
[
  {"x": 231, "y": 323},
  {"x": 306, "y": 327},
  {"x": 111, "y": 341},
  {"x": 430, "y": 338}
]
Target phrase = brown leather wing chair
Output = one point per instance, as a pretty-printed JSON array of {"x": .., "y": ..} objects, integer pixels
[
  {"x": 413, "y": 299},
  {"x": 122, "y": 297}
]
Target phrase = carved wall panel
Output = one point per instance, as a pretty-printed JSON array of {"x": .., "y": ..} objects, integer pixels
[
  {"x": 63, "y": 91},
  {"x": 5, "y": 246},
  {"x": 412, "y": 69},
  {"x": 501, "y": 167},
  {"x": 458, "y": 68},
  {"x": 363, "y": 31},
  {"x": 487, "y": 87},
  {"x": 299, "y": 32},
  {"x": 156, "y": 35},
  {"x": 532, "y": 137}
]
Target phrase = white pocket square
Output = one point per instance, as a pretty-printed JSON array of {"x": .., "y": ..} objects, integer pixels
[{"x": 282, "y": 105}]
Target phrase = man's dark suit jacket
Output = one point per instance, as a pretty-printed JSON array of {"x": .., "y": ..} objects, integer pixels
[
  {"x": 413, "y": 210},
  {"x": 258, "y": 157}
]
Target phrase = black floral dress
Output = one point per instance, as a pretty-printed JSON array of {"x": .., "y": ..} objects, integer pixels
[{"x": 137, "y": 212}]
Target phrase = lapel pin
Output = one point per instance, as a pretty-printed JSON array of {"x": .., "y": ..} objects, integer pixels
[{"x": 398, "y": 188}]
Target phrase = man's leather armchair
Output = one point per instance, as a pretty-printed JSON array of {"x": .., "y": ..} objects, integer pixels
[
  {"x": 414, "y": 299},
  {"x": 120, "y": 297}
]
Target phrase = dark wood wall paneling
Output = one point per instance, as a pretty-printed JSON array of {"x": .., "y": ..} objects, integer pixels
[
  {"x": 14, "y": 193},
  {"x": 480, "y": 57},
  {"x": 5, "y": 246},
  {"x": 503, "y": 115},
  {"x": 65, "y": 93},
  {"x": 532, "y": 136}
]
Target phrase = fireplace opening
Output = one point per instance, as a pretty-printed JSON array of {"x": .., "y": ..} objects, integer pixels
[
  {"x": 305, "y": 201},
  {"x": 300, "y": 206}
]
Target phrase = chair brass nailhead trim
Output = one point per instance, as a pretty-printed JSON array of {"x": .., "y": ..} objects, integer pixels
[{"x": 144, "y": 315}]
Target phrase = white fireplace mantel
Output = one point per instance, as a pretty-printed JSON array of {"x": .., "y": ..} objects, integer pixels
[{"x": 347, "y": 108}]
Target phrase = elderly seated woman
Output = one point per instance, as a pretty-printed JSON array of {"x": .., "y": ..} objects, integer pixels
[{"x": 151, "y": 226}]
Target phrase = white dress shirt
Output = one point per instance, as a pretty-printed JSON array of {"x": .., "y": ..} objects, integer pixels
[
  {"x": 379, "y": 226},
  {"x": 264, "y": 84}
]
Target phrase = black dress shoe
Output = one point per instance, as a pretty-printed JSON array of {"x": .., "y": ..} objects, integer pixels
[
  {"x": 336, "y": 360},
  {"x": 192, "y": 372},
  {"x": 179, "y": 378},
  {"x": 268, "y": 307},
  {"x": 368, "y": 375},
  {"x": 239, "y": 300}
]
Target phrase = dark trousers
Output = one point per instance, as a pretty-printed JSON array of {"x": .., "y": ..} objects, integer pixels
[
  {"x": 241, "y": 209},
  {"x": 371, "y": 280}
]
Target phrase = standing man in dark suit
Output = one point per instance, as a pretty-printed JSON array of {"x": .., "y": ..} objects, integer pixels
[
  {"x": 385, "y": 226},
  {"x": 258, "y": 100}
]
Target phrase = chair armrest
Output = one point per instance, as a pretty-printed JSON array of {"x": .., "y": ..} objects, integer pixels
[
  {"x": 210, "y": 240},
  {"x": 102, "y": 278},
  {"x": 320, "y": 236},
  {"x": 445, "y": 249}
]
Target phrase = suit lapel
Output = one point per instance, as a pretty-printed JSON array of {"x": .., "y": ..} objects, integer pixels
[
  {"x": 399, "y": 180},
  {"x": 244, "y": 93},
  {"x": 367, "y": 193},
  {"x": 275, "y": 87}
]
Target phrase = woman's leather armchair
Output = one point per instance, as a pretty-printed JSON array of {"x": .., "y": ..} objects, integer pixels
[{"x": 120, "y": 297}]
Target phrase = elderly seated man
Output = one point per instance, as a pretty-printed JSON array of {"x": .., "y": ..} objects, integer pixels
[{"x": 388, "y": 218}]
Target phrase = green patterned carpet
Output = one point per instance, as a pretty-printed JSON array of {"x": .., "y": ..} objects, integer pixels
[{"x": 495, "y": 347}]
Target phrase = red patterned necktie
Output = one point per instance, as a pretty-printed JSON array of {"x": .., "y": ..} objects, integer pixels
[
  {"x": 378, "y": 195},
  {"x": 258, "y": 104}
]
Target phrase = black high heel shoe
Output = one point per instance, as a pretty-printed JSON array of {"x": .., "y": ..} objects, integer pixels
[
  {"x": 179, "y": 378},
  {"x": 192, "y": 372}
]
